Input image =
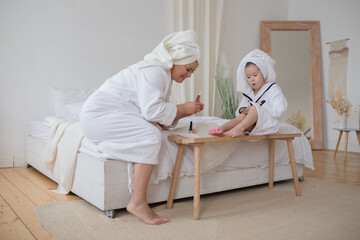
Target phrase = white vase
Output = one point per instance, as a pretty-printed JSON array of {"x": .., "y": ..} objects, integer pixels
[{"x": 343, "y": 122}]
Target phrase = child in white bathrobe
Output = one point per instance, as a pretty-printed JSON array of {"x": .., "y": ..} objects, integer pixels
[
  {"x": 263, "y": 102},
  {"x": 125, "y": 115}
]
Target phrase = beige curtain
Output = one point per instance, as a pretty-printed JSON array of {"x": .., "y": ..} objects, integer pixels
[{"x": 205, "y": 17}]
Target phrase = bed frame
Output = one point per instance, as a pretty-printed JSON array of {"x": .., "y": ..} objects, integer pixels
[{"x": 104, "y": 182}]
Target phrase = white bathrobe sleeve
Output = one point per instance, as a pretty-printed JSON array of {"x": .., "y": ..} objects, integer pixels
[
  {"x": 276, "y": 103},
  {"x": 153, "y": 86}
]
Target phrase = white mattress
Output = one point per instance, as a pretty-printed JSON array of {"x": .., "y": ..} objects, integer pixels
[
  {"x": 41, "y": 130},
  {"x": 239, "y": 158}
]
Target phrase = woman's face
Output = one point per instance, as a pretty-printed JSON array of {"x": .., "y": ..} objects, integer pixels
[
  {"x": 254, "y": 77},
  {"x": 180, "y": 72}
]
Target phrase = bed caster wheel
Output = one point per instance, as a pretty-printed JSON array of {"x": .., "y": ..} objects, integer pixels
[
  {"x": 301, "y": 179},
  {"x": 110, "y": 213}
]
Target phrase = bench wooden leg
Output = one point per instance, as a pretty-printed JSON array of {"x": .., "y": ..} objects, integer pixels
[
  {"x": 197, "y": 181},
  {"x": 293, "y": 167},
  {"x": 358, "y": 136},
  {"x": 175, "y": 176},
  {"x": 271, "y": 163},
  {"x": 338, "y": 142}
]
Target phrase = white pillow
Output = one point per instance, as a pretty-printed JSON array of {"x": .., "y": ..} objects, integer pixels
[{"x": 68, "y": 102}]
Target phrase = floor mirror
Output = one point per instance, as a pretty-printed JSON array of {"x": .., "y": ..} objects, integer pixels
[{"x": 295, "y": 46}]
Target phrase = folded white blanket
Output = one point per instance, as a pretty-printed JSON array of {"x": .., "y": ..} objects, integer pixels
[
  {"x": 62, "y": 147},
  {"x": 56, "y": 133}
]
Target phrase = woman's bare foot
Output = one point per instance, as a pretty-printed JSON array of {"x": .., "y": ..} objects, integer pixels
[
  {"x": 144, "y": 213},
  {"x": 235, "y": 132}
]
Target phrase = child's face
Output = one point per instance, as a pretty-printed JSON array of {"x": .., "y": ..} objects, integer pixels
[{"x": 254, "y": 77}]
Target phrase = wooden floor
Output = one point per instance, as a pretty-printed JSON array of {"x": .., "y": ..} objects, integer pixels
[{"x": 22, "y": 189}]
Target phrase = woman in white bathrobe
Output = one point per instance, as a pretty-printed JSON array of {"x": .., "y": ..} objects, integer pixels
[
  {"x": 125, "y": 115},
  {"x": 262, "y": 103}
]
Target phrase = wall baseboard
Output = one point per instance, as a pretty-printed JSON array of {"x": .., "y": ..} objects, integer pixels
[
  {"x": 6, "y": 161},
  {"x": 20, "y": 161},
  {"x": 12, "y": 161}
]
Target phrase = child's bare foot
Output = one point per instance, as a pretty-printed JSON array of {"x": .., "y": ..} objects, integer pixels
[
  {"x": 235, "y": 132},
  {"x": 144, "y": 213}
]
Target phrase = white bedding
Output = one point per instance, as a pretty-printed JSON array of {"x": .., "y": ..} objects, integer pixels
[
  {"x": 257, "y": 150},
  {"x": 41, "y": 130}
]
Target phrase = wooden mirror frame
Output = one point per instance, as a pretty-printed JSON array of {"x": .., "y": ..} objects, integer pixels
[{"x": 314, "y": 32}]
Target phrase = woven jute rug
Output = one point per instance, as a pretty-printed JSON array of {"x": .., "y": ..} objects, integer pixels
[{"x": 325, "y": 210}]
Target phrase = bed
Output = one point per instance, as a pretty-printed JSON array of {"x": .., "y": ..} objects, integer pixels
[{"x": 105, "y": 182}]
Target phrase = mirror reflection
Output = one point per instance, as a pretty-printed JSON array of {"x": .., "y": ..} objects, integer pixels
[{"x": 290, "y": 49}]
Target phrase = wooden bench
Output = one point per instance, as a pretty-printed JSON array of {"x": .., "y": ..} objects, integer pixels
[{"x": 198, "y": 142}]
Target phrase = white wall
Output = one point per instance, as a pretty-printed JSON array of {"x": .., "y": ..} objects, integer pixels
[
  {"x": 338, "y": 20},
  {"x": 66, "y": 44},
  {"x": 242, "y": 26},
  {"x": 241, "y": 32}
]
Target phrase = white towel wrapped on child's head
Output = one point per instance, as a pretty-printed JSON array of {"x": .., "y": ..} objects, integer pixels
[{"x": 263, "y": 61}]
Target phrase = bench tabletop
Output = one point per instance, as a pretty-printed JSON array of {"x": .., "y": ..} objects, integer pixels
[{"x": 186, "y": 140}]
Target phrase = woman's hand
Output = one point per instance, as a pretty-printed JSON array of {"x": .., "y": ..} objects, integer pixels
[
  {"x": 191, "y": 108},
  {"x": 188, "y": 108}
]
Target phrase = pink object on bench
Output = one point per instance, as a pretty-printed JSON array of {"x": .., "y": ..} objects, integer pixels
[{"x": 215, "y": 131}]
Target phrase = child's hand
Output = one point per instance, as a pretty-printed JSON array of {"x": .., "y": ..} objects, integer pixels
[
  {"x": 246, "y": 110},
  {"x": 216, "y": 131}
]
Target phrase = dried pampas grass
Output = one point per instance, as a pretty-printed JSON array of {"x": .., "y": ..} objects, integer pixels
[
  {"x": 341, "y": 104},
  {"x": 298, "y": 120}
]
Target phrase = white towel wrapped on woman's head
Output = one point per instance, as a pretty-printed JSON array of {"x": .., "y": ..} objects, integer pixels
[
  {"x": 263, "y": 61},
  {"x": 179, "y": 48}
]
